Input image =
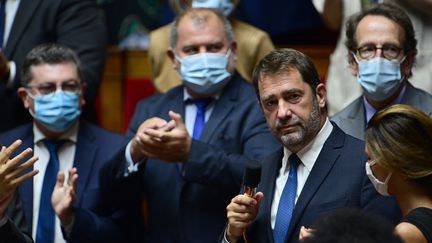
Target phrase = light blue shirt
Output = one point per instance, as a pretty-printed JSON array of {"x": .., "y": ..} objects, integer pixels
[{"x": 370, "y": 110}]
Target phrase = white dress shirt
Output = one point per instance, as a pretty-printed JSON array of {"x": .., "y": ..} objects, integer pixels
[
  {"x": 308, "y": 155},
  {"x": 66, "y": 154}
]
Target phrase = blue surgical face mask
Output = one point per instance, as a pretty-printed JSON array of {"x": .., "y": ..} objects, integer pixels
[
  {"x": 56, "y": 112},
  {"x": 205, "y": 73},
  {"x": 379, "y": 77},
  {"x": 223, "y": 6}
]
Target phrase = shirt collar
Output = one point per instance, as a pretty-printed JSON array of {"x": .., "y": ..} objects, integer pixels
[
  {"x": 309, "y": 154},
  {"x": 370, "y": 110},
  {"x": 187, "y": 96},
  {"x": 70, "y": 135}
]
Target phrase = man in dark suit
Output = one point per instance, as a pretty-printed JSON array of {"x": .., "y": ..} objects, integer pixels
[
  {"x": 52, "y": 91},
  {"x": 319, "y": 169},
  {"x": 382, "y": 46},
  {"x": 13, "y": 226},
  {"x": 28, "y": 23},
  {"x": 189, "y": 169}
]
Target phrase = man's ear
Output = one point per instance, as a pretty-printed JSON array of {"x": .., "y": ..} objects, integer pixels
[
  {"x": 22, "y": 93},
  {"x": 407, "y": 64},
  {"x": 321, "y": 94},
  {"x": 234, "y": 50},
  {"x": 83, "y": 91},
  {"x": 171, "y": 55},
  {"x": 352, "y": 63}
]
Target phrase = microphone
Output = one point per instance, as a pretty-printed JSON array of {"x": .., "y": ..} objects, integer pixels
[{"x": 251, "y": 177}]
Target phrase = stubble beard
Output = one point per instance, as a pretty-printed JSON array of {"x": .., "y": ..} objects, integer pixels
[{"x": 306, "y": 130}]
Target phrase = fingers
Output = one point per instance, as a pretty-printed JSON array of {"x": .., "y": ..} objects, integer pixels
[
  {"x": 259, "y": 197},
  {"x": 177, "y": 118},
  {"x": 14, "y": 162},
  {"x": 16, "y": 182},
  {"x": 3, "y": 155},
  {"x": 13, "y": 147},
  {"x": 60, "y": 179},
  {"x": 73, "y": 178},
  {"x": 241, "y": 206},
  {"x": 7, "y": 152},
  {"x": 305, "y": 232},
  {"x": 239, "y": 216}
]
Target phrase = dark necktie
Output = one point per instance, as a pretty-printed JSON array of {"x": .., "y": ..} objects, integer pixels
[
  {"x": 2, "y": 21},
  {"x": 201, "y": 105},
  {"x": 45, "y": 227},
  {"x": 286, "y": 202}
]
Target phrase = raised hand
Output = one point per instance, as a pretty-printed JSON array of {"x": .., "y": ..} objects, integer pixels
[
  {"x": 64, "y": 195},
  {"x": 141, "y": 141},
  {"x": 163, "y": 140},
  {"x": 11, "y": 172},
  {"x": 11, "y": 169}
]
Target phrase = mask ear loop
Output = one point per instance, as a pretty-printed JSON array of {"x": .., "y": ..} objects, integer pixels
[
  {"x": 30, "y": 94},
  {"x": 355, "y": 57},
  {"x": 374, "y": 162}
]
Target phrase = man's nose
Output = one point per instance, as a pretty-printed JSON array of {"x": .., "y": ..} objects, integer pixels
[{"x": 284, "y": 109}]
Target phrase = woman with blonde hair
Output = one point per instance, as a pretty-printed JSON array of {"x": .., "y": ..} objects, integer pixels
[{"x": 399, "y": 145}]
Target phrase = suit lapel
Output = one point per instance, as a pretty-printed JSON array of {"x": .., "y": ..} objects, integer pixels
[
  {"x": 273, "y": 163},
  {"x": 85, "y": 156},
  {"x": 412, "y": 98},
  {"x": 23, "y": 16},
  {"x": 356, "y": 119},
  {"x": 223, "y": 107},
  {"x": 323, "y": 165}
]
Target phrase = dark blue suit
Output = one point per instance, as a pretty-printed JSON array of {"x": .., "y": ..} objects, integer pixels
[
  {"x": 189, "y": 205},
  {"x": 337, "y": 180},
  {"x": 16, "y": 228},
  {"x": 93, "y": 148}
]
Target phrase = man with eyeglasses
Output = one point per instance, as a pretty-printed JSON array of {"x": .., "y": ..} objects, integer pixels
[
  {"x": 52, "y": 92},
  {"x": 382, "y": 51}
]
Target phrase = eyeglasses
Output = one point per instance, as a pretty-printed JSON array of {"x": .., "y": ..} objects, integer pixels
[
  {"x": 389, "y": 51},
  {"x": 72, "y": 87}
]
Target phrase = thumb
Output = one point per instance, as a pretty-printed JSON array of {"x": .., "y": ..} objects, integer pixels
[
  {"x": 259, "y": 197},
  {"x": 60, "y": 179},
  {"x": 177, "y": 118}
]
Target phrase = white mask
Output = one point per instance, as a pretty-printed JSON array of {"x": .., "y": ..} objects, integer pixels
[{"x": 381, "y": 187}]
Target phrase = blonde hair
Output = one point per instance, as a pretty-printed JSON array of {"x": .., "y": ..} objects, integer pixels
[{"x": 399, "y": 138}]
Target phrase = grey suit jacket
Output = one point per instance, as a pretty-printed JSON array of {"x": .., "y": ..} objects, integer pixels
[{"x": 352, "y": 119}]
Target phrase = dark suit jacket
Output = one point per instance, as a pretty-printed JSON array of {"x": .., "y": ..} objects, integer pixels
[
  {"x": 15, "y": 230},
  {"x": 77, "y": 24},
  {"x": 93, "y": 148},
  {"x": 352, "y": 119},
  {"x": 188, "y": 205},
  {"x": 337, "y": 180}
]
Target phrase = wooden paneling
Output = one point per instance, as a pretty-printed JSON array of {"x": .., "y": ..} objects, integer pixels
[{"x": 110, "y": 110}]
